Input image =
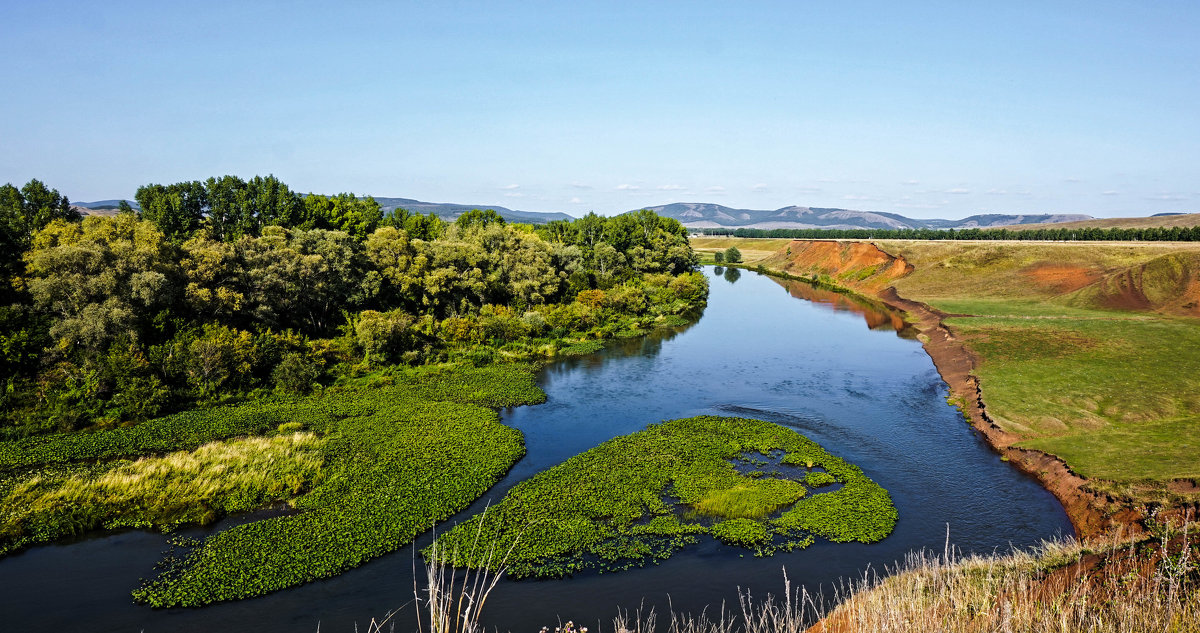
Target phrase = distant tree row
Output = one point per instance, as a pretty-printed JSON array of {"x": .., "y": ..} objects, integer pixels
[
  {"x": 229, "y": 208},
  {"x": 1153, "y": 234}
]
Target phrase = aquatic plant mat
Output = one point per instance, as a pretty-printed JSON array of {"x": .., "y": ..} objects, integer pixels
[
  {"x": 638, "y": 498},
  {"x": 373, "y": 464}
]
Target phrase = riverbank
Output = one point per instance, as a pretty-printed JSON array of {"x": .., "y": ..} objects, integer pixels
[
  {"x": 995, "y": 317},
  {"x": 1078, "y": 344}
]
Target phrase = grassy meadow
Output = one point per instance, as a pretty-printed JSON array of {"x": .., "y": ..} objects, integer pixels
[{"x": 1087, "y": 350}]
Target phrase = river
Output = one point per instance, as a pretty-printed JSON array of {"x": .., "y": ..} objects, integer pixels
[{"x": 846, "y": 373}]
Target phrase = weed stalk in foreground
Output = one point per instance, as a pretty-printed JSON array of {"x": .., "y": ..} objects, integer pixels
[{"x": 455, "y": 598}]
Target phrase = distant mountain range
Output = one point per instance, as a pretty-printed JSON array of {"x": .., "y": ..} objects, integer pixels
[
  {"x": 449, "y": 211},
  {"x": 702, "y": 215},
  {"x": 699, "y": 215}
]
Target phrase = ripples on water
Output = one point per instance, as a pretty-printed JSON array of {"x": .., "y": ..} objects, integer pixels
[{"x": 843, "y": 371}]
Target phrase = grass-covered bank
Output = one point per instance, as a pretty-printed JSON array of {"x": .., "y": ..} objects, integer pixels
[
  {"x": 638, "y": 498},
  {"x": 1114, "y": 587},
  {"x": 1084, "y": 352},
  {"x": 1078, "y": 350}
]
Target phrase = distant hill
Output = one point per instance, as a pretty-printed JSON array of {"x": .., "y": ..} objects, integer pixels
[
  {"x": 106, "y": 208},
  {"x": 104, "y": 205},
  {"x": 450, "y": 211},
  {"x": 699, "y": 215}
]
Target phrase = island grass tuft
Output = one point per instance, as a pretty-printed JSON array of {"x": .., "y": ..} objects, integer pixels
[{"x": 638, "y": 498}]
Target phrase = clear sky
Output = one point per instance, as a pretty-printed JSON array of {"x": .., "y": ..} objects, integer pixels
[{"x": 929, "y": 109}]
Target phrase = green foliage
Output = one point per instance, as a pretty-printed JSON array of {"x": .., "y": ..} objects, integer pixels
[
  {"x": 478, "y": 217},
  {"x": 24, "y": 212},
  {"x": 732, "y": 255},
  {"x": 345, "y": 212},
  {"x": 415, "y": 225},
  {"x": 383, "y": 336},
  {"x": 638, "y": 498},
  {"x": 219, "y": 281},
  {"x": 397, "y": 454},
  {"x": 398, "y": 459},
  {"x": 582, "y": 348},
  {"x": 176, "y": 210},
  {"x": 818, "y": 478},
  {"x": 101, "y": 278},
  {"x": 741, "y": 532},
  {"x": 297, "y": 373}
]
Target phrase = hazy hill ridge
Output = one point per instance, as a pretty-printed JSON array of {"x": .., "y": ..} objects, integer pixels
[{"x": 701, "y": 215}]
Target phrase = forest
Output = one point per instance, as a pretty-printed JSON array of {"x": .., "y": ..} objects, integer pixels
[
  {"x": 228, "y": 290},
  {"x": 1088, "y": 234}
]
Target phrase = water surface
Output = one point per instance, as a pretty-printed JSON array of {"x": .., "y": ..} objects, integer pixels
[{"x": 842, "y": 371}]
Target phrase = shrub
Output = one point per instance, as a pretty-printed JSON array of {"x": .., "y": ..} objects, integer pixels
[{"x": 297, "y": 373}]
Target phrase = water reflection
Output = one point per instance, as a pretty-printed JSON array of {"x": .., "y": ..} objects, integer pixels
[
  {"x": 730, "y": 274},
  {"x": 877, "y": 315}
]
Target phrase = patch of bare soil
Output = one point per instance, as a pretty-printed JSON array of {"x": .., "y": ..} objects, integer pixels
[
  {"x": 860, "y": 266},
  {"x": 1061, "y": 279}
]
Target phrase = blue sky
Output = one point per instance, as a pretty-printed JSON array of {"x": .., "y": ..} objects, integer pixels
[{"x": 927, "y": 109}]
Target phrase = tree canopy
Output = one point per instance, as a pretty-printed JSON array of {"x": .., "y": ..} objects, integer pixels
[{"x": 224, "y": 286}]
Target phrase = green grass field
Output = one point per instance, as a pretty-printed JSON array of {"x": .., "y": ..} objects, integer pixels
[{"x": 1086, "y": 350}]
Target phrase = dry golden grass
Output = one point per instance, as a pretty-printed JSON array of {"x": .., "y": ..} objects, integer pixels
[
  {"x": 753, "y": 250},
  {"x": 1054, "y": 589},
  {"x": 1057, "y": 588},
  {"x": 181, "y": 487}
]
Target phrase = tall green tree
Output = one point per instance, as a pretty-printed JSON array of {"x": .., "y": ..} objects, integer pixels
[
  {"x": 23, "y": 212},
  {"x": 177, "y": 210},
  {"x": 100, "y": 279}
]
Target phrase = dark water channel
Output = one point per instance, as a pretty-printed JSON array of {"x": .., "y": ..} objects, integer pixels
[{"x": 860, "y": 390}]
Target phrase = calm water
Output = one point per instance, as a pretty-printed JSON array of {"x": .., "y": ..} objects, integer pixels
[{"x": 837, "y": 370}]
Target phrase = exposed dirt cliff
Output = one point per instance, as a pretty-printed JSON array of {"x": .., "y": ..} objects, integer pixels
[{"x": 859, "y": 266}]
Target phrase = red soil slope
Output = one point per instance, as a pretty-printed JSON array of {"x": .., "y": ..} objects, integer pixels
[{"x": 859, "y": 266}]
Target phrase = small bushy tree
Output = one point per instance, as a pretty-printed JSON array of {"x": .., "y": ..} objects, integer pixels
[{"x": 733, "y": 255}]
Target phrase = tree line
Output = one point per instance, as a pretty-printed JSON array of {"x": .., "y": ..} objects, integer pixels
[
  {"x": 227, "y": 286},
  {"x": 1063, "y": 234}
]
